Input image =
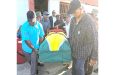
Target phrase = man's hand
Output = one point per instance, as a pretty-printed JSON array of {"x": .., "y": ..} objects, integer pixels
[
  {"x": 35, "y": 50},
  {"x": 92, "y": 62}
]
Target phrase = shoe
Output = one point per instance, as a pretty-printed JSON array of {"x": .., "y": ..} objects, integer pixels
[{"x": 40, "y": 64}]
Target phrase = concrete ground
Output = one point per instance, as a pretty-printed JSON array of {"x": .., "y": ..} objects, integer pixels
[{"x": 48, "y": 69}]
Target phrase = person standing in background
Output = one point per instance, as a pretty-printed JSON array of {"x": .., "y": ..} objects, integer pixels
[
  {"x": 67, "y": 25},
  {"x": 39, "y": 16},
  {"x": 39, "y": 19},
  {"x": 52, "y": 18},
  {"x": 59, "y": 23},
  {"x": 46, "y": 22},
  {"x": 94, "y": 15}
]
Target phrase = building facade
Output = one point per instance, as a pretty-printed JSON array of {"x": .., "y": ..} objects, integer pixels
[{"x": 60, "y": 6}]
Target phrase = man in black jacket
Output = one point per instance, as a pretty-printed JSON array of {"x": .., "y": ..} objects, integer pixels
[
  {"x": 52, "y": 18},
  {"x": 83, "y": 38}
]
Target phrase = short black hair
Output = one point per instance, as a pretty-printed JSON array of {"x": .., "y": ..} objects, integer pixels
[
  {"x": 60, "y": 23},
  {"x": 30, "y": 15}
]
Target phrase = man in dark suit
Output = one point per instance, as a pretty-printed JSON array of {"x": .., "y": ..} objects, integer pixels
[{"x": 52, "y": 18}]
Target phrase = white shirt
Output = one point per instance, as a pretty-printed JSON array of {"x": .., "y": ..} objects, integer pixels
[
  {"x": 67, "y": 28},
  {"x": 54, "y": 19}
]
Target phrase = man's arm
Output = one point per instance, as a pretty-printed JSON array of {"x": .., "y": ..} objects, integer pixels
[
  {"x": 41, "y": 40},
  {"x": 30, "y": 45},
  {"x": 93, "y": 38},
  {"x": 41, "y": 34}
]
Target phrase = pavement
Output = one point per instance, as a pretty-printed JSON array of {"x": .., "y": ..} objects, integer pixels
[{"x": 48, "y": 69}]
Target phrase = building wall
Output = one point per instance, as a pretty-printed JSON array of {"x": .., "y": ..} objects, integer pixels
[
  {"x": 54, "y": 5},
  {"x": 90, "y": 2},
  {"x": 22, "y": 7},
  {"x": 66, "y": 1},
  {"x": 89, "y": 8},
  {"x": 88, "y": 5}
]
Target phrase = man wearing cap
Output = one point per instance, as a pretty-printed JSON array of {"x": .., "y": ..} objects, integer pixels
[
  {"x": 31, "y": 32},
  {"x": 46, "y": 22},
  {"x": 83, "y": 38},
  {"x": 39, "y": 19}
]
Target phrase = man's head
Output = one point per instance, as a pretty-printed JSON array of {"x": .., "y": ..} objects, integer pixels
[
  {"x": 53, "y": 13},
  {"x": 78, "y": 12},
  {"x": 57, "y": 17},
  {"x": 75, "y": 8},
  {"x": 94, "y": 12},
  {"x": 38, "y": 15},
  {"x": 31, "y": 17},
  {"x": 68, "y": 18},
  {"x": 45, "y": 15}
]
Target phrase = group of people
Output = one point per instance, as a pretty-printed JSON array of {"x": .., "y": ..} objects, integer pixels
[
  {"x": 33, "y": 31},
  {"x": 53, "y": 21},
  {"x": 81, "y": 31}
]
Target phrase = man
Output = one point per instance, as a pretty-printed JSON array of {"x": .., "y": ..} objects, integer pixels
[
  {"x": 39, "y": 16},
  {"x": 39, "y": 19},
  {"x": 52, "y": 18},
  {"x": 31, "y": 32},
  {"x": 94, "y": 15},
  {"x": 83, "y": 38},
  {"x": 67, "y": 25},
  {"x": 46, "y": 22},
  {"x": 59, "y": 23}
]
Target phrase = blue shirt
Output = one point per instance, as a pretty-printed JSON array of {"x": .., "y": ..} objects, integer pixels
[
  {"x": 46, "y": 24},
  {"x": 31, "y": 33}
]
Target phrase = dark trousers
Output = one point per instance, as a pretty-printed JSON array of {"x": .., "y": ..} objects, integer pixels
[
  {"x": 32, "y": 59},
  {"x": 78, "y": 67}
]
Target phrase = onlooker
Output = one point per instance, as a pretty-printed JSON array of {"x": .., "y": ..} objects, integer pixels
[
  {"x": 52, "y": 18},
  {"x": 67, "y": 25},
  {"x": 39, "y": 19},
  {"x": 59, "y": 22},
  {"x": 94, "y": 15},
  {"x": 62, "y": 18},
  {"x": 39, "y": 16},
  {"x": 31, "y": 32},
  {"x": 83, "y": 38},
  {"x": 46, "y": 22}
]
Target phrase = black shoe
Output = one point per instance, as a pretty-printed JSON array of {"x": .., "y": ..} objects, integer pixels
[{"x": 40, "y": 64}]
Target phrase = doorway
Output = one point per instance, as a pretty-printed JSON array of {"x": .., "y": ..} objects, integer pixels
[{"x": 41, "y": 5}]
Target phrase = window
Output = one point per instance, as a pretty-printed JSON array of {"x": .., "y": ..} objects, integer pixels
[{"x": 64, "y": 8}]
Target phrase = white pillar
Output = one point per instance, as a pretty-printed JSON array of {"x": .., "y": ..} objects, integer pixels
[{"x": 53, "y": 5}]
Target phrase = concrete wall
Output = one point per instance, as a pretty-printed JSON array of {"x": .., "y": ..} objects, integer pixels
[
  {"x": 22, "y": 7},
  {"x": 88, "y": 8},
  {"x": 53, "y": 5},
  {"x": 66, "y": 1}
]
